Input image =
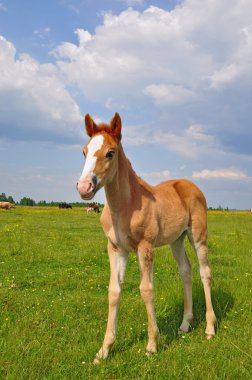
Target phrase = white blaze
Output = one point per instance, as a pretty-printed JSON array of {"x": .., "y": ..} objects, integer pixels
[{"x": 94, "y": 145}]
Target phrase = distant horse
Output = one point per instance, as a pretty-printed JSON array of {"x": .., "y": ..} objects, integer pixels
[
  {"x": 139, "y": 217},
  {"x": 93, "y": 207},
  {"x": 7, "y": 205},
  {"x": 88, "y": 209},
  {"x": 64, "y": 205}
]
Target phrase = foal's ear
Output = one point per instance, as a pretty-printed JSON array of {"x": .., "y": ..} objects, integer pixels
[
  {"x": 91, "y": 127},
  {"x": 116, "y": 126}
]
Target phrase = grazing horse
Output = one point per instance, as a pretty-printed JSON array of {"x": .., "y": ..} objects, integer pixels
[
  {"x": 7, "y": 205},
  {"x": 89, "y": 209},
  {"x": 93, "y": 207},
  {"x": 64, "y": 205},
  {"x": 139, "y": 217}
]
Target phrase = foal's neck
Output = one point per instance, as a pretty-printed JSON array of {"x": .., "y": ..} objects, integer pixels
[{"x": 124, "y": 186}]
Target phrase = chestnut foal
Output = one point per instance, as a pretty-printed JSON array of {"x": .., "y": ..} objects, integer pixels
[{"x": 139, "y": 217}]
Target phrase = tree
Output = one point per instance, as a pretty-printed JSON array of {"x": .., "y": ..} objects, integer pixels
[
  {"x": 10, "y": 199},
  {"x": 27, "y": 202},
  {"x": 41, "y": 203},
  {"x": 3, "y": 197}
]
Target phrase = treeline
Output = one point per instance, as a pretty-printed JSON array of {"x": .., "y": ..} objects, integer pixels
[
  {"x": 219, "y": 208},
  {"x": 26, "y": 201}
]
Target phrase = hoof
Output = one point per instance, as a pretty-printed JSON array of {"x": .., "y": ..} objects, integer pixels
[
  {"x": 209, "y": 336},
  {"x": 96, "y": 361},
  {"x": 149, "y": 353},
  {"x": 184, "y": 329},
  {"x": 180, "y": 331},
  {"x": 185, "y": 326}
]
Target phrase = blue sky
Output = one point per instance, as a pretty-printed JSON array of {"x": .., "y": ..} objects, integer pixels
[{"x": 178, "y": 72}]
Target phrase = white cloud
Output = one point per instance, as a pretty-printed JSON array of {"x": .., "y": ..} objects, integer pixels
[
  {"x": 222, "y": 174},
  {"x": 239, "y": 63},
  {"x": 168, "y": 55},
  {"x": 168, "y": 94},
  {"x": 129, "y": 54},
  {"x": 33, "y": 97},
  {"x": 178, "y": 144},
  {"x": 137, "y": 135},
  {"x": 196, "y": 132},
  {"x": 192, "y": 143},
  {"x": 224, "y": 76},
  {"x": 155, "y": 177}
]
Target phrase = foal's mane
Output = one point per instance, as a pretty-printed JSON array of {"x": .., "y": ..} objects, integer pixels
[
  {"x": 103, "y": 128},
  {"x": 107, "y": 129}
]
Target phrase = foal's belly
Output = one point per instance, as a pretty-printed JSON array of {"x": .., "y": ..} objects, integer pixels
[
  {"x": 167, "y": 233},
  {"x": 170, "y": 229},
  {"x": 164, "y": 239},
  {"x": 129, "y": 243}
]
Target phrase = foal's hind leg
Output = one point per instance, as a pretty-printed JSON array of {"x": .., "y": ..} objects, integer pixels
[
  {"x": 198, "y": 238},
  {"x": 184, "y": 265}
]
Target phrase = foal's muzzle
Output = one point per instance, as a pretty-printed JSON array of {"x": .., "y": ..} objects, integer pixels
[{"x": 87, "y": 187}]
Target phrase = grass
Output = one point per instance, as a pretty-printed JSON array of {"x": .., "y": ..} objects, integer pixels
[{"x": 54, "y": 275}]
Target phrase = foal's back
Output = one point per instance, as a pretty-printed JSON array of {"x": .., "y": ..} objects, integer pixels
[
  {"x": 179, "y": 203},
  {"x": 180, "y": 192}
]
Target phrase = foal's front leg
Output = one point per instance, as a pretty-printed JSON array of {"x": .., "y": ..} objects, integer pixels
[
  {"x": 118, "y": 261},
  {"x": 145, "y": 255}
]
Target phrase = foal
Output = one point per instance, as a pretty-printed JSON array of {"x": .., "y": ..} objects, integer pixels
[{"x": 139, "y": 217}]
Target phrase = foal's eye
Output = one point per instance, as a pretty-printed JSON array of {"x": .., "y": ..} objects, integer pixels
[{"x": 110, "y": 154}]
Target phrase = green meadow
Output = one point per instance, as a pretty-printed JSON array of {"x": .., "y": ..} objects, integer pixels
[{"x": 54, "y": 276}]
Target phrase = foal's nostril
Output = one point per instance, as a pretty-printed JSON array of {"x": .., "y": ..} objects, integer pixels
[
  {"x": 77, "y": 185},
  {"x": 90, "y": 187}
]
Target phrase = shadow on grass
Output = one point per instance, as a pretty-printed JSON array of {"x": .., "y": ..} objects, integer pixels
[
  {"x": 171, "y": 318},
  {"x": 222, "y": 300}
]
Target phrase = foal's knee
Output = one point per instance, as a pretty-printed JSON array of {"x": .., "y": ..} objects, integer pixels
[
  {"x": 205, "y": 274},
  {"x": 147, "y": 293},
  {"x": 114, "y": 297}
]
